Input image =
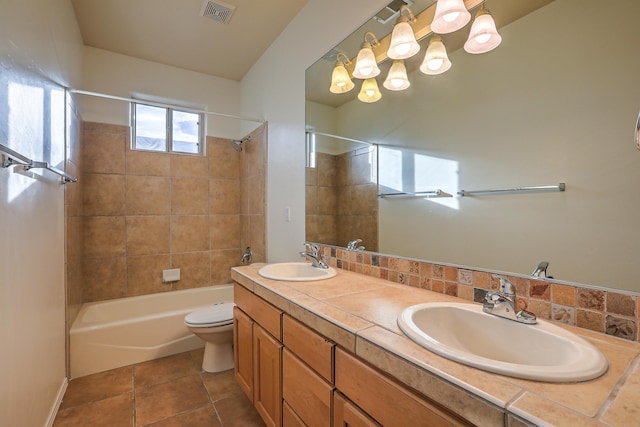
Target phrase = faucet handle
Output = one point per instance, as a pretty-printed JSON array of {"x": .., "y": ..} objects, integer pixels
[
  {"x": 506, "y": 287},
  {"x": 312, "y": 248}
]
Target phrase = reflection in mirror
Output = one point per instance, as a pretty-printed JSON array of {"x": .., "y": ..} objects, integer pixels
[{"x": 555, "y": 102}]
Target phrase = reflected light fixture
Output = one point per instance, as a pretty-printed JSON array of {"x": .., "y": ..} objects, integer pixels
[
  {"x": 436, "y": 60},
  {"x": 369, "y": 91},
  {"x": 397, "y": 78},
  {"x": 483, "y": 35},
  {"x": 340, "y": 80},
  {"x": 450, "y": 16},
  {"x": 366, "y": 65},
  {"x": 403, "y": 43}
]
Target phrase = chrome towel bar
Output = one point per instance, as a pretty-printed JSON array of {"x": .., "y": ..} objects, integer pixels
[
  {"x": 426, "y": 194},
  {"x": 559, "y": 187},
  {"x": 24, "y": 164}
]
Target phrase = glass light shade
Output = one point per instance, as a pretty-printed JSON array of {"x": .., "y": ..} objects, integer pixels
[
  {"x": 366, "y": 66},
  {"x": 436, "y": 60},
  {"x": 483, "y": 35},
  {"x": 450, "y": 16},
  {"x": 397, "y": 78},
  {"x": 403, "y": 41},
  {"x": 340, "y": 80},
  {"x": 369, "y": 91}
]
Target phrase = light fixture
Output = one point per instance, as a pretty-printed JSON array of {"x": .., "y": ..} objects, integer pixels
[
  {"x": 340, "y": 80},
  {"x": 450, "y": 16},
  {"x": 403, "y": 43},
  {"x": 366, "y": 65},
  {"x": 369, "y": 91},
  {"x": 483, "y": 35},
  {"x": 397, "y": 78},
  {"x": 435, "y": 60}
]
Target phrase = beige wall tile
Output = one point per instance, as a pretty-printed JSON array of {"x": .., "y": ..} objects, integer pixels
[
  {"x": 103, "y": 194},
  {"x": 147, "y": 235},
  {"x": 311, "y": 200},
  {"x": 221, "y": 263},
  {"x": 257, "y": 235},
  {"x": 311, "y": 176},
  {"x": 189, "y": 166},
  {"x": 257, "y": 193},
  {"x": 225, "y": 232},
  {"x": 148, "y": 163},
  {"x": 224, "y": 196},
  {"x": 195, "y": 269},
  {"x": 189, "y": 196},
  {"x": 327, "y": 201},
  {"x": 327, "y": 170},
  {"x": 104, "y": 236},
  {"x": 103, "y": 152},
  {"x": 565, "y": 295},
  {"x": 104, "y": 278},
  {"x": 148, "y": 195},
  {"x": 224, "y": 161},
  {"x": 189, "y": 233},
  {"x": 144, "y": 274}
]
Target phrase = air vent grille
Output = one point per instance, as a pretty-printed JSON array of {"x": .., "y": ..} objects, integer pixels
[
  {"x": 391, "y": 11},
  {"x": 218, "y": 11}
]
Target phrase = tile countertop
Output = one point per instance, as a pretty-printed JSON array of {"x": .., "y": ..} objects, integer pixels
[{"x": 359, "y": 313}]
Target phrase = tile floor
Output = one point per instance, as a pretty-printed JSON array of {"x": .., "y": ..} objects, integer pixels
[{"x": 168, "y": 392}]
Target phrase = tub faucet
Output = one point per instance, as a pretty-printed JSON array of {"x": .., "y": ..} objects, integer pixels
[
  {"x": 246, "y": 256},
  {"x": 503, "y": 303},
  {"x": 313, "y": 253},
  {"x": 541, "y": 270},
  {"x": 353, "y": 245}
]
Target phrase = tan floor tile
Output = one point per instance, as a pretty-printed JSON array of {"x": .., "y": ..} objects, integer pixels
[
  {"x": 201, "y": 417},
  {"x": 237, "y": 411},
  {"x": 161, "y": 401},
  {"x": 112, "y": 412},
  {"x": 98, "y": 386},
  {"x": 162, "y": 370},
  {"x": 198, "y": 356},
  {"x": 220, "y": 385}
]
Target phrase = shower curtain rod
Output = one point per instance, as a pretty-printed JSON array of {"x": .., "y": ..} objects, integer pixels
[{"x": 163, "y": 105}]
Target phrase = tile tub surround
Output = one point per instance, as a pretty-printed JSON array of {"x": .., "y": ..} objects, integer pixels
[
  {"x": 143, "y": 212},
  {"x": 602, "y": 310},
  {"x": 359, "y": 313}
]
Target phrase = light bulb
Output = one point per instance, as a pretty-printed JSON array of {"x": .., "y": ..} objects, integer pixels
[
  {"x": 370, "y": 92},
  {"x": 397, "y": 82},
  {"x": 450, "y": 17},
  {"x": 435, "y": 64},
  {"x": 403, "y": 49},
  {"x": 341, "y": 84},
  {"x": 483, "y": 38},
  {"x": 366, "y": 71}
]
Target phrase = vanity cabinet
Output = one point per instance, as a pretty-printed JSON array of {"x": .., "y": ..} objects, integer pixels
[{"x": 346, "y": 414}]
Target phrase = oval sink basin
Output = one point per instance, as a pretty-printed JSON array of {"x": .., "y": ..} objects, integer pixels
[
  {"x": 464, "y": 333},
  {"x": 295, "y": 272}
]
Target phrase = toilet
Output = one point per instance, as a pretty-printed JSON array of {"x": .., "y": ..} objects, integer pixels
[{"x": 214, "y": 325}]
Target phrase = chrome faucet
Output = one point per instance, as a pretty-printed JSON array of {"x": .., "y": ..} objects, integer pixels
[
  {"x": 503, "y": 303},
  {"x": 541, "y": 270},
  {"x": 353, "y": 245},
  {"x": 246, "y": 256},
  {"x": 313, "y": 253}
]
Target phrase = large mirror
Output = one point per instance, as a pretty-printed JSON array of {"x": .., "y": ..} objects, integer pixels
[{"x": 555, "y": 103}]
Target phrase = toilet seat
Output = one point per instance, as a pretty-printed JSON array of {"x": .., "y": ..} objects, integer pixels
[{"x": 220, "y": 314}]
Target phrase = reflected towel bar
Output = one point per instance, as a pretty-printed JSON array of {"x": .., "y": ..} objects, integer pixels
[
  {"x": 426, "y": 194},
  {"x": 24, "y": 164},
  {"x": 559, "y": 187}
]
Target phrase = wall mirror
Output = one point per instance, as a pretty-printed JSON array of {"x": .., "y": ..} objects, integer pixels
[{"x": 555, "y": 102}]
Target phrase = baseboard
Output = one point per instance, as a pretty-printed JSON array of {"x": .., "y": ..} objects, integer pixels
[{"x": 57, "y": 402}]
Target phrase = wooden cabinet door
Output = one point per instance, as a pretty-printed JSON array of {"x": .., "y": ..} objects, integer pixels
[
  {"x": 267, "y": 376},
  {"x": 346, "y": 414},
  {"x": 243, "y": 351}
]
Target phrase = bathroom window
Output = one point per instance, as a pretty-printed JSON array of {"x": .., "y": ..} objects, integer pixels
[{"x": 166, "y": 129}]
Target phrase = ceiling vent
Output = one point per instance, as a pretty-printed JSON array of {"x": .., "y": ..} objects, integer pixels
[
  {"x": 391, "y": 11},
  {"x": 217, "y": 10}
]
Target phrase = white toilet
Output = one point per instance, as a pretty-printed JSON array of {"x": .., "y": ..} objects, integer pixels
[{"x": 214, "y": 325}]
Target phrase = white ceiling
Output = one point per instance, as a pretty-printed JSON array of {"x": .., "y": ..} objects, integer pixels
[{"x": 172, "y": 32}]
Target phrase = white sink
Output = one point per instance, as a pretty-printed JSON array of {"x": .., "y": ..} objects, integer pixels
[
  {"x": 295, "y": 272},
  {"x": 464, "y": 333}
]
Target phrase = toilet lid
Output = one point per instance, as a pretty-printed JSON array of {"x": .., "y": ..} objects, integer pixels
[{"x": 215, "y": 315}]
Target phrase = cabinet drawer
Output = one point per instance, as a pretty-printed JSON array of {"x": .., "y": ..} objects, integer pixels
[
  {"x": 269, "y": 317},
  {"x": 383, "y": 399},
  {"x": 306, "y": 392},
  {"x": 289, "y": 418},
  {"x": 312, "y": 348},
  {"x": 346, "y": 414}
]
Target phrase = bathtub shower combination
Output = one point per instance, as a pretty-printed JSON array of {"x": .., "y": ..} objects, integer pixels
[{"x": 120, "y": 332}]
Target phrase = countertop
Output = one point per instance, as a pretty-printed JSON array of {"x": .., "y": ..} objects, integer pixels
[{"x": 359, "y": 313}]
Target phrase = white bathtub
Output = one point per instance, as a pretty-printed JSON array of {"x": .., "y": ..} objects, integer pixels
[{"x": 114, "y": 333}]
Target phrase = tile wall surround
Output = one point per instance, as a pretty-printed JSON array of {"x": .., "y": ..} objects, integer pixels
[
  {"x": 143, "y": 212},
  {"x": 612, "y": 312},
  {"x": 341, "y": 198}
]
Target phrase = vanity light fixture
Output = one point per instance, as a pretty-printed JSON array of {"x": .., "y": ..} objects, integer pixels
[
  {"x": 397, "y": 78},
  {"x": 340, "y": 80},
  {"x": 436, "y": 60},
  {"x": 369, "y": 92},
  {"x": 483, "y": 36},
  {"x": 450, "y": 16},
  {"x": 403, "y": 43},
  {"x": 366, "y": 65}
]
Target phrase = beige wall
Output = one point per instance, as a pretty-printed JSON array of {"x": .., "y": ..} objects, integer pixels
[{"x": 144, "y": 212}]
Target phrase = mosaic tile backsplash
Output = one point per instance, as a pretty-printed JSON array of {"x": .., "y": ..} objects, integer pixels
[{"x": 606, "y": 311}]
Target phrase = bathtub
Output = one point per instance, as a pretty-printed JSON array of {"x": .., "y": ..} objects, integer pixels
[{"x": 120, "y": 332}]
